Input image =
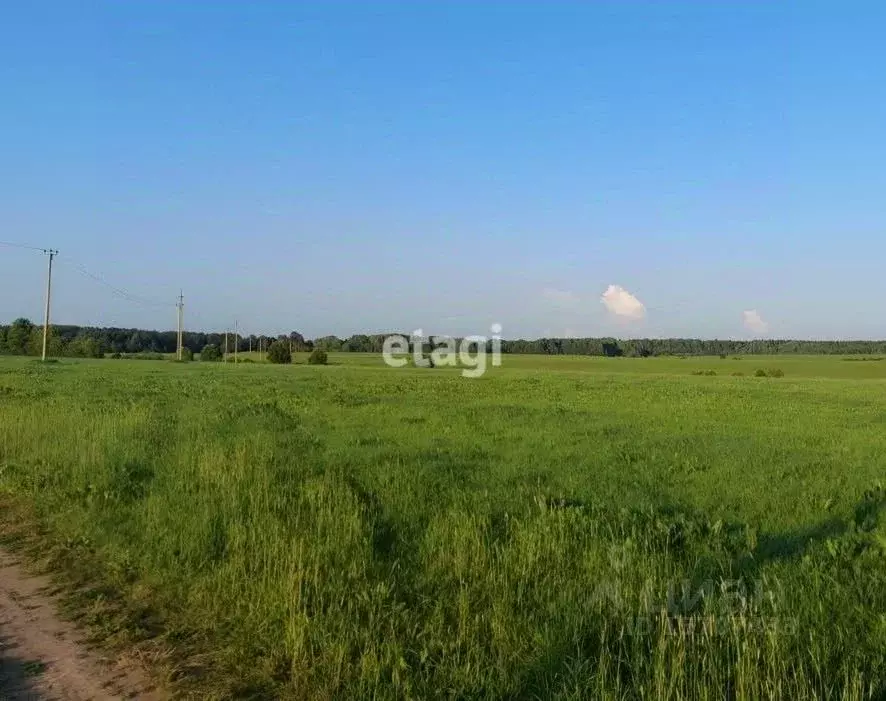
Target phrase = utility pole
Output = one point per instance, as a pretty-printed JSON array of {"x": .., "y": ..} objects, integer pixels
[
  {"x": 250, "y": 344},
  {"x": 225, "y": 356},
  {"x": 181, "y": 316},
  {"x": 236, "y": 341},
  {"x": 51, "y": 253}
]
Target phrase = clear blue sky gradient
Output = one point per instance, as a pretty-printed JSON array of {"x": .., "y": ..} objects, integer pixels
[{"x": 366, "y": 166}]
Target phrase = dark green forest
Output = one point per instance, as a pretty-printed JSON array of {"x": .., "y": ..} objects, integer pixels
[{"x": 22, "y": 337}]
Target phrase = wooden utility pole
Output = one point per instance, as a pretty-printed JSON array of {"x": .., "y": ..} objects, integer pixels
[
  {"x": 181, "y": 316},
  {"x": 51, "y": 253}
]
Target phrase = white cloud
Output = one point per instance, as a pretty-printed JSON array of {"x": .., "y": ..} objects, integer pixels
[
  {"x": 561, "y": 298},
  {"x": 623, "y": 304},
  {"x": 754, "y": 322}
]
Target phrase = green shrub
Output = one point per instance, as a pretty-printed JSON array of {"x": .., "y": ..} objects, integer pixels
[
  {"x": 318, "y": 357},
  {"x": 278, "y": 352},
  {"x": 772, "y": 372},
  {"x": 145, "y": 356},
  {"x": 211, "y": 352}
]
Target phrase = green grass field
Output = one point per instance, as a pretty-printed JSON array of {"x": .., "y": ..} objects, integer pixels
[{"x": 564, "y": 527}]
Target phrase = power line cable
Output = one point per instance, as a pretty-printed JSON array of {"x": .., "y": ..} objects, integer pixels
[
  {"x": 12, "y": 244},
  {"x": 118, "y": 291}
]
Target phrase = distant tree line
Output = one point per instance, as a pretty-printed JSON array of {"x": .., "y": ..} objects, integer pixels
[
  {"x": 633, "y": 348},
  {"x": 22, "y": 337},
  {"x": 648, "y": 347}
]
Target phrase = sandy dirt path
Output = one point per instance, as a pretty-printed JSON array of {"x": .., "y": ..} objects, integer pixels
[{"x": 42, "y": 657}]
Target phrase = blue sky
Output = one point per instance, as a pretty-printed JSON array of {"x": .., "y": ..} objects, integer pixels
[{"x": 353, "y": 166}]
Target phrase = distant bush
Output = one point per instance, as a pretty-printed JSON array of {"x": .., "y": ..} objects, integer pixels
[
  {"x": 245, "y": 360},
  {"x": 211, "y": 352},
  {"x": 772, "y": 372},
  {"x": 84, "y": 347},
  {"x": 187, "y": 355},
  {"x": 722, "y": 356},
  {"x": 738, "y": 374},
  {"x": 116, "y": 356},
  {"x": 278, "y": 353},
  {"x": 706, "y": 373},
  {"x": 317, "y": 357}
]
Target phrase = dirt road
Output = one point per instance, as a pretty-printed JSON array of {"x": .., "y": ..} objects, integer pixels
[{"x": 41, "y": 656}]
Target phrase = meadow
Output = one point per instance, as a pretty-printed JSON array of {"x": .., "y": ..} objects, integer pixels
[{"x": 563, "y": 527}]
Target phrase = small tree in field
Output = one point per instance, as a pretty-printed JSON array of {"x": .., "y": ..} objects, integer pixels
[
  {"x": 211, "y": 352},
  {"x": 317, "y": 357},
  {"x": 18, "y": 335},
  {"x": 278, "y": 352}
]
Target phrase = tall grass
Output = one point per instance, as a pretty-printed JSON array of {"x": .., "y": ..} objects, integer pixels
[{"x": 350, "y": 532}]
